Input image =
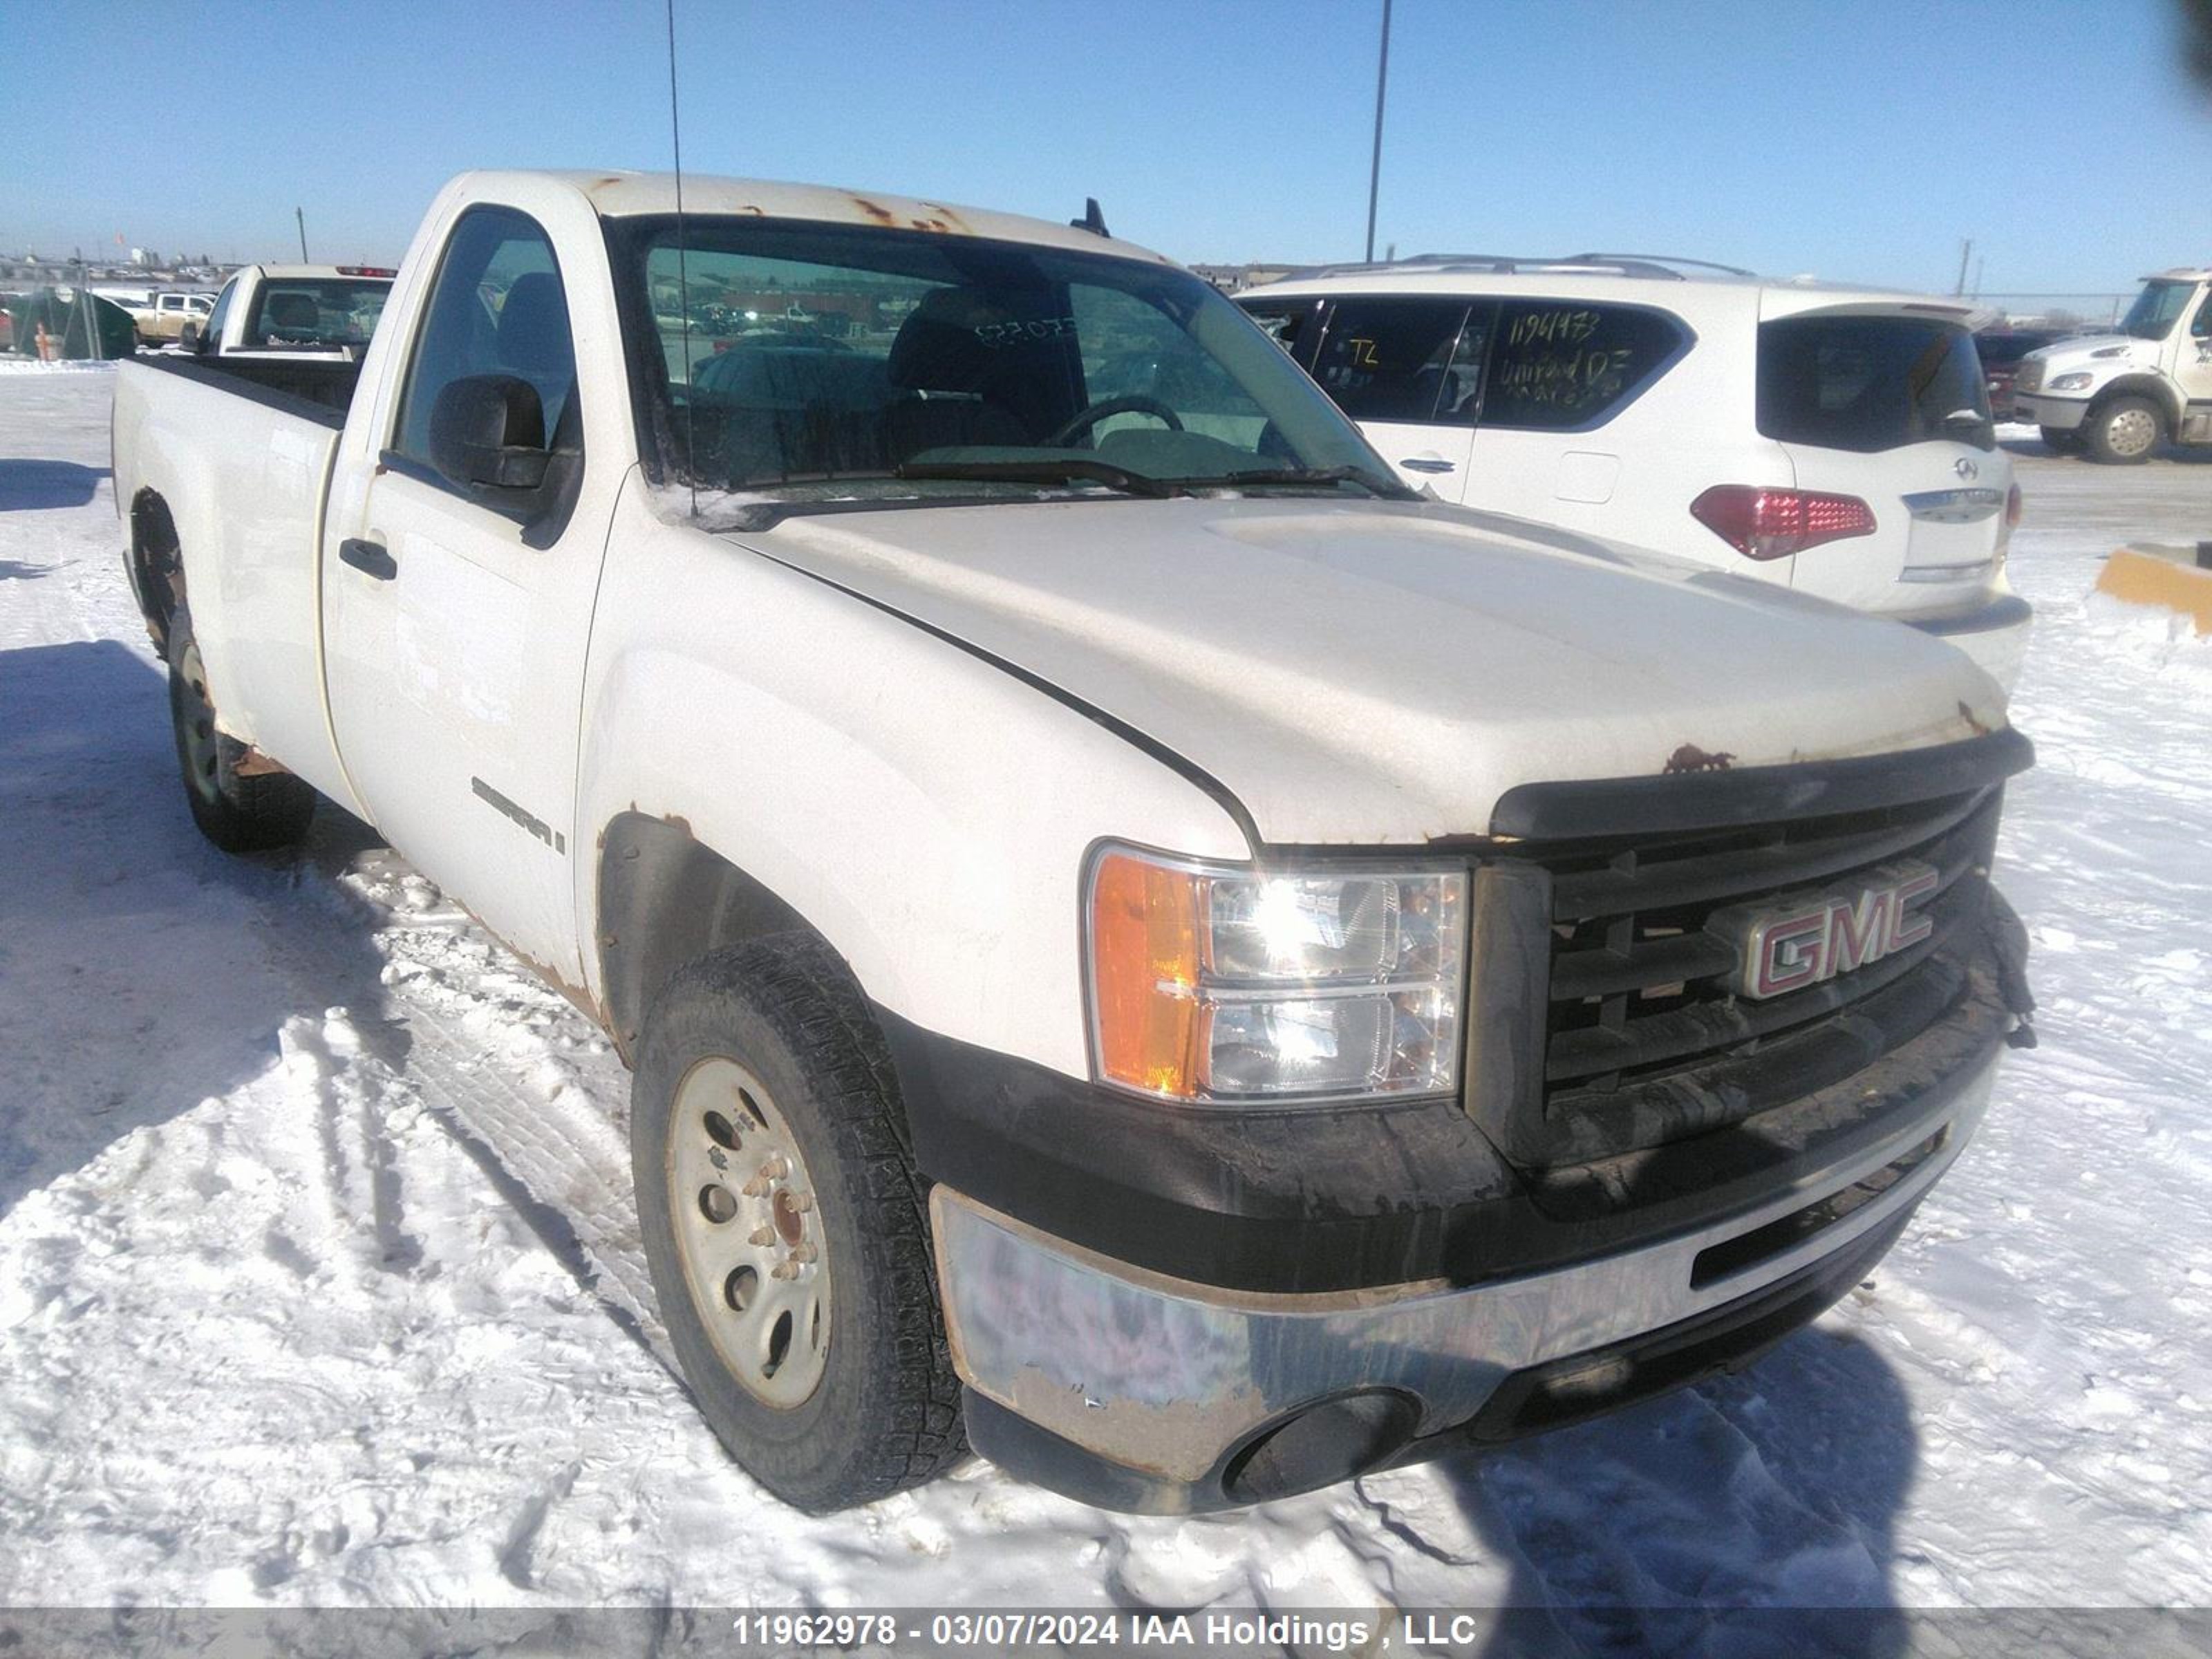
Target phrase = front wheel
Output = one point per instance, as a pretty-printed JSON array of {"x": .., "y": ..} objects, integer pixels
[
  {"x": 2123, "y": 433},
  {"x": 239, "y": 812},
  {"x": 787, "y": 1228}
]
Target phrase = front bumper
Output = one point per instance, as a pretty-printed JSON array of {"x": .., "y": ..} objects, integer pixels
[
  {"x": 1995, "y": 636},
  {"x": 2059, "y": 414},
  {"x": 1140, "y": 1391}
]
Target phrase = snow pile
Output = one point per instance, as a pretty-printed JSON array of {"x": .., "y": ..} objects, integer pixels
[{"x": 319, "y": 1282}]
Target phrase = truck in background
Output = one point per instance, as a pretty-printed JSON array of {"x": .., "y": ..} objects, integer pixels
[
  {"x": 294, "y": 312},
  {"x": 2116, "y": 397}
]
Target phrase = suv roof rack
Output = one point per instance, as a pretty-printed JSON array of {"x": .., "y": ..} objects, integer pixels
[{"x": 1665, "y": 267}]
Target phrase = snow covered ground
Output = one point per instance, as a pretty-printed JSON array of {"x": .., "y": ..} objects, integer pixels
[{"x": 320, "y": 1285}]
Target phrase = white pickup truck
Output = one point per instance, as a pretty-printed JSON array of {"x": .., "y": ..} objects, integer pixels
[
  {"x": 2117, "y": 396},
  {"x": 292, "y": 313},
  {"x": 1143, "y": 947}
]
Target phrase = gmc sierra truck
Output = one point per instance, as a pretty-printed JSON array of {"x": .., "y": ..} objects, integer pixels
[{"x": 1143, "y": 947}]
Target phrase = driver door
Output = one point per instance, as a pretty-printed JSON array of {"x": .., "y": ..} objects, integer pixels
[{"x": 458, "y": 615}]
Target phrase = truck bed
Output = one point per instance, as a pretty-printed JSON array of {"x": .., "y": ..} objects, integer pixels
[{"x": 317, "y": 388}]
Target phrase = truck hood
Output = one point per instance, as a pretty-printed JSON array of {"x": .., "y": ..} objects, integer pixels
[
  {"x": 1365, "y": 672},
  {"x": 2110, "y": 351}
]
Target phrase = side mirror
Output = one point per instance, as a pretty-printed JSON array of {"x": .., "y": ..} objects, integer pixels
[
  {"x": 488, "y": 432},
  {"x": 188, "y": 336}
]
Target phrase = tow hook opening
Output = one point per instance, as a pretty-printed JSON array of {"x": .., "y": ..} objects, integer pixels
[{"x": 1320, "y": 1445}]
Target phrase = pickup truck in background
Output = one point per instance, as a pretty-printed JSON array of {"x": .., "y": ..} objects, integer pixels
[
  {"x": 2117, "y": 396},
  {"x": 294, "y": 312},
  {"x": 164, "y": 316},
  {"x": 1143, "y": 947}
]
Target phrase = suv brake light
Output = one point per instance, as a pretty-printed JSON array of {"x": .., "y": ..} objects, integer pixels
[
  {"x": 366, "y": 270},
  {"x": 1773, "y": 524}
]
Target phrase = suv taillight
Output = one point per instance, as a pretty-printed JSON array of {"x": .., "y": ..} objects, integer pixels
[{"x": 1772, "y": 524}]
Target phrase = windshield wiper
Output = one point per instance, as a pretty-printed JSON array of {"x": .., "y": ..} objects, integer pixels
[
  {"x": 1073, "y": 470},
  {"x": 1373, "y": 483}
]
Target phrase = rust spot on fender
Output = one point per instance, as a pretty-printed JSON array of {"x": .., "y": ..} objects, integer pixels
[
  {"x": 1691, "y": 758},
  {"x": 937, "y": 225},
  {"x": 677, "y": 821},
  {"x": 875, "y": 211},
  {"x": 952, "y": 220},
  {"x": 1980, "y": 727}
]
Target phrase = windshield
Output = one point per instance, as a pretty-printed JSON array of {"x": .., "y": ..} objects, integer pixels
[
  {"x": 316, "y": 311},
  {"x": 821, "y": 362},
  {"x": 2156, "y": 310}
]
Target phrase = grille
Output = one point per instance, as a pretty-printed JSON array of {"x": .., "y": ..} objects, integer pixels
[
  {"x": 1642, "y": 1039},
  {"x": 2028, "y": 377}
]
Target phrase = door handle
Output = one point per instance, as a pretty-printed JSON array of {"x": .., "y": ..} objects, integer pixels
[
  {"x": 371, "y": 558},
  {"x": 1427, "y": 464}
]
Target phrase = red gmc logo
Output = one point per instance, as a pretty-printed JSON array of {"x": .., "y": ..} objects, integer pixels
[{"x": 1829, "y": 934}]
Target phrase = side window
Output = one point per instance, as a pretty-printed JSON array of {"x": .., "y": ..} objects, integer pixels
[
  {"x": 2201, "y": 327},
  {"x": 1293, "y": 324},
  {"x": 497, "y": 307},
  {"x": 1391, "y": 359},
  {"x": 1561, "y": 366}
]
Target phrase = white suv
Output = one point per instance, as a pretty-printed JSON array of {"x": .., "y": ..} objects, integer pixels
[{"x": 1836, "y": 441}]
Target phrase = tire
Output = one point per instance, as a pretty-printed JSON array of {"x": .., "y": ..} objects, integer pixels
[
  {"x": 768, "y": 1045},
  {"x": 2060, "y": 442},
  {"x": 239, "y": 814},
  {"x": 2125, "y": 432}
]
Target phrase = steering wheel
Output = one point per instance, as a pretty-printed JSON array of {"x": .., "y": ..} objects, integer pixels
[{"x": 1135, "y": 404}]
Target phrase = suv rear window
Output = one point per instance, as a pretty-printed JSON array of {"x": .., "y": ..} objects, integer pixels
[{"x": 1871, "y": 383}]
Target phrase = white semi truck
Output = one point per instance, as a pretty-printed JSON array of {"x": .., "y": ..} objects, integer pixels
[{"x": 2117, "y": 396}]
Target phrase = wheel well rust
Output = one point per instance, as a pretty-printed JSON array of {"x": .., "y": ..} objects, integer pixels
[{"x": 666, "y": 898}]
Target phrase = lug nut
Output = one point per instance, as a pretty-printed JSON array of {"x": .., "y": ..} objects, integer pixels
[
  {"x": 804, "y": 1253},
  {"x": 757, "y": 1188},
  {"x": 763, "y": 1236},
  {"x": 802, "y": 1202},
  {"x": 783, "y": 1270},
  {"x": 775, "y": 1167}
]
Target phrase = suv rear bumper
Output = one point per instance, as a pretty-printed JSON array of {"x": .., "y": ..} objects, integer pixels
[
  {"x": 1995, "y": 636},
  {"x": 1135, "y": 1390}
]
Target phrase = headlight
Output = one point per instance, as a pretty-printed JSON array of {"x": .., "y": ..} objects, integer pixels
[
  {"x": 2076, "y": 382},
  {"x": 1220, "y": 984}
]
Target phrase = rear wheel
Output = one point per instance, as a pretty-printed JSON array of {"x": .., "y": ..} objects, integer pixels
[
  {"x": 2059, "y": 441},
  {"x": 240, "y": 813},
  {"x": 786, "y": 1228},
  {"x": 2124, "y": 432}
]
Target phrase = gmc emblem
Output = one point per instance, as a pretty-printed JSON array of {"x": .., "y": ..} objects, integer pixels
[{"x": 1821, "y": 935}]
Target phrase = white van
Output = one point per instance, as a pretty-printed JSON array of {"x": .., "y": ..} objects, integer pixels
[{"x": 1835, "y": 441}]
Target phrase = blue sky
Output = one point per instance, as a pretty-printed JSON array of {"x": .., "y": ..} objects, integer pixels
[{"x": 1855, "y": 138}]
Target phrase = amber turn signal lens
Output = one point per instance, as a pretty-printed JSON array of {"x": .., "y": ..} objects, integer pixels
[{"x": 1144, "y": 941}]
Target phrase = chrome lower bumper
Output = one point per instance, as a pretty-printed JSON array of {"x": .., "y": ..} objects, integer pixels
[
  {"x": 2059, "y": 414},
  {"x": 1170, "y": 1379}
]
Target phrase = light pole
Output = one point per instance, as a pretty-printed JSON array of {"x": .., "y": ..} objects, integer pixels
[{"x": 1375, "y": 166}]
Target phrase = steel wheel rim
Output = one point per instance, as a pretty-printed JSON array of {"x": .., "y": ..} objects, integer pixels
[
  {"x": 749, "y": 1233},
  {"x": 195, "y": 724},
  {"x": 2132, "y": 432}
]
